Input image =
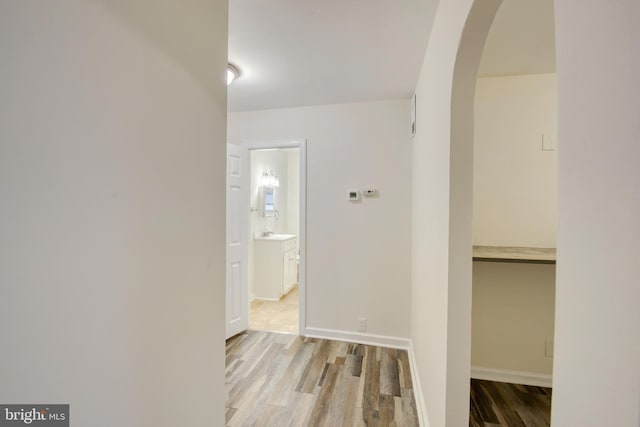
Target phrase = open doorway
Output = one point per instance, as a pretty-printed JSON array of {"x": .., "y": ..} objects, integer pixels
[
  {"x": 514, "y": 220},
  {"x": 266, "y": 237},
  {"x": 274, "y": 239}
]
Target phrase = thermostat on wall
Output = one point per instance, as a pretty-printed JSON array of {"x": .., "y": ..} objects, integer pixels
[
  {"x": 370, "y": 192},
  {"x": 354, "y": 195}
]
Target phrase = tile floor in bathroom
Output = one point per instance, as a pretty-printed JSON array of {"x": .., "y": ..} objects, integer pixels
[{"x": 276, "y": 316}]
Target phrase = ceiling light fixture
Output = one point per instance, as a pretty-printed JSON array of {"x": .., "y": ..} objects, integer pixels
[{"x": 233, "y": 73}]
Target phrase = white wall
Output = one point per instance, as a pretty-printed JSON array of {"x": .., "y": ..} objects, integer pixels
[
  {"x": 512, "y": 316},
  {"x": 514, "y": 204},
  {"x": 596, "y": 371},
  {"x": 514, "y": 180},
  {"x": 358, "y": 257},
  {"x": 112, "y": 148},
  {"x": 442, "y": 201}
]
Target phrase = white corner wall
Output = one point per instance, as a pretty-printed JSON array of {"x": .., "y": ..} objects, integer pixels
[
  {"x": 514, "y": 180},
  {"x": 596, "y": 371},
  {"x": 358, "y": 254},
  {"x": 112, "y": 148},
  {"x": 442, "y": 202}
]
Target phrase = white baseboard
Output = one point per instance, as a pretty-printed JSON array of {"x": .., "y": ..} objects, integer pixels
[
  {"x": 513, "y": 377},
  {"x": 421, "y": 407},
  {"x": 358, "y": 337},
  {"x": 265, "y": 299}
]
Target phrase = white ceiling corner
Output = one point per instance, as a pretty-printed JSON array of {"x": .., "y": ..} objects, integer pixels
[
  {"x": 521, "y": 40},
  {"x": 297, "y": 53}
]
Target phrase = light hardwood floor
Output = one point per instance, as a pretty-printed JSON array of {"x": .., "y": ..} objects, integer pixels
[
  {"x": 276, "y": 316},
  {"x": 285, "y": 380}
]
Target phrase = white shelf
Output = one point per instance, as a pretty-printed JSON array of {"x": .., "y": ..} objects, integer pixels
[{"x": 514, "y": 254}]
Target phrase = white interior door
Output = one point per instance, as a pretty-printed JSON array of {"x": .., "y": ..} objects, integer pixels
[{"x": 237, "y": 313}]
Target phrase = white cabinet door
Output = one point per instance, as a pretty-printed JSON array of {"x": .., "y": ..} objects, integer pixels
[
  {"x": 268, "y": 271},
  {"x": 237, "y": 302},
  {"x": 290, "y": 267}
]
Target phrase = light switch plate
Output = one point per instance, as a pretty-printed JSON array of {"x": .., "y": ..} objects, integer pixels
[
  {"x": 548, "y": 349},
  {"x": 548, "y": 142}
]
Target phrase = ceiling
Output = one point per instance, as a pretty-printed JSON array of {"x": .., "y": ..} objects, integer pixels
[
  {"x": 311, "y": 52},
  {"x": 521, "y": 40},
  {"x": 304, "y": 52}
]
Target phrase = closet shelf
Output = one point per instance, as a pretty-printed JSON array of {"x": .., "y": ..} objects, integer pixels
[{"x": 514, "y": 254}]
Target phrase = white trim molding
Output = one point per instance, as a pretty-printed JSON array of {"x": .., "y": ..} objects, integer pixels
[
  {"x": 358, "y": 337},
  {"x": 513, "y": 377},
  {"x": 264, "y": 299},
  {"x": 421, "y": 406}
]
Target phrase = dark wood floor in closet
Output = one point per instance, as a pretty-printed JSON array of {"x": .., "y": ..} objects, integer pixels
[
  {"x": 286, "y": 380},
  {"x": 509, "y": 405}
]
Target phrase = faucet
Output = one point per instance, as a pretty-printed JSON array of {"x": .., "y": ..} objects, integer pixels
[{"x": 267, "y": 233}]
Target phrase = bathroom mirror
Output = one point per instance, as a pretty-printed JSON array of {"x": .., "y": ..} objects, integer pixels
[{"x": 268, "y": 201}]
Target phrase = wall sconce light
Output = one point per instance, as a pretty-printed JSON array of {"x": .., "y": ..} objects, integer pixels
[
  {"x": 270, "y": 179},
  {"x": 233, "y": 73}
]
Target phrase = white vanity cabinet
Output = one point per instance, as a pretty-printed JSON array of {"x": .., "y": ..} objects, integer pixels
[{"x": 275, "y": 265}]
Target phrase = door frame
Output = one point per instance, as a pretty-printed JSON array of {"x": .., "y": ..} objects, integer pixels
[{"x": 302, "y": 238}]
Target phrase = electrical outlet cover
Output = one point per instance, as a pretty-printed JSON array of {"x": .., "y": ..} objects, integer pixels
[{"x": 362, "y": 324}]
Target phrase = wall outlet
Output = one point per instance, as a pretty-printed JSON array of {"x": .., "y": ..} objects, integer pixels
[
  {"x": 362, "y": 324},
  {"x": 548, "y": 349}
]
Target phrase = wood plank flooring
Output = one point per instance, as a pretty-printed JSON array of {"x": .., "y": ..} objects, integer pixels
[
  {"x": 285, "y": 380},
  {"x": 496, "y": 404}
]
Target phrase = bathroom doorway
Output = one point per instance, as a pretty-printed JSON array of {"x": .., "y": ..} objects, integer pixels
[{"x": 276, "y": 237}]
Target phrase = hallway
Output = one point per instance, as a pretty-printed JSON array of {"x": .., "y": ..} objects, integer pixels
[{"x": 285, "y": 380}]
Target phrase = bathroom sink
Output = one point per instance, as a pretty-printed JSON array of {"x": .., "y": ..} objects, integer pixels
[{"x": 275, "y": 237}]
